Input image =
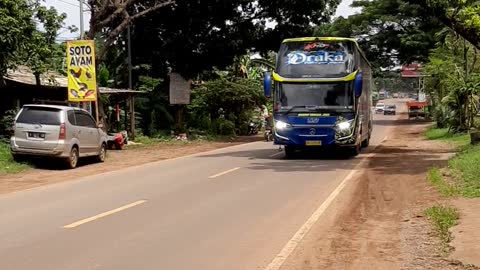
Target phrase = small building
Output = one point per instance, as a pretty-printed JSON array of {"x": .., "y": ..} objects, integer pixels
[{"x": 19, "y": 87}]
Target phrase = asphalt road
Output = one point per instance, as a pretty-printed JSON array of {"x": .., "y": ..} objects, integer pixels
[{"x": 232, "y": 208}]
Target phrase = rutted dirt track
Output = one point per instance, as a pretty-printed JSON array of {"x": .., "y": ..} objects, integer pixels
[{"x": 378, "y": 222}]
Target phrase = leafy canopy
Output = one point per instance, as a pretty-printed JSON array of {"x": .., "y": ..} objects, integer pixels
[
  {"x": 15, "y": 24},
  {"x": 195, "y": 36},
  {"x": 389, "y": 31}
]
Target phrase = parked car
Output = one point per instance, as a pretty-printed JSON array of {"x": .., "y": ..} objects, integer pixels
[
  {"x": 379, "y": 108},
  {"x": 390, "y": 110},
  {"x": 57, "y": 131}
]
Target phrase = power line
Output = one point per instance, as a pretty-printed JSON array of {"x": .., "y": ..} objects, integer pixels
[{"x": 68, "y": 3}]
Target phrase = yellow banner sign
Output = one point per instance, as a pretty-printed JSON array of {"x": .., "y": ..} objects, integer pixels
[{"x": 82, "y": 85}]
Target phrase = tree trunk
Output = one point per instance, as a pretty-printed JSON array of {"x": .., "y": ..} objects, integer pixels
[
  {"x": 475, "y": 137},
  {"x": 38, "y": 82}
]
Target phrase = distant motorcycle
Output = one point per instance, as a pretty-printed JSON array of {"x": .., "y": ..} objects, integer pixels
[
  {"x": 268, "y": 135},
  {"x": 253, "y": 128}
]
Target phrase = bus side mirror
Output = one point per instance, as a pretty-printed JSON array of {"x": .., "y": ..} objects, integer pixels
[
  {"x": 267, "y": 84},
  {"x": 358, "y": 84}
]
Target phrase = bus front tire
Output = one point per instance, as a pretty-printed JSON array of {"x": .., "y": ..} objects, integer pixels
[
  {"x": 354, "y": 151},
  {"x": 289, "y": 151},
  {"x": 366, "y": 142}
]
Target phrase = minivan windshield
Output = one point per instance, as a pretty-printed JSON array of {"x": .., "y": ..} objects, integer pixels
[{"x": 39, "y": 115}]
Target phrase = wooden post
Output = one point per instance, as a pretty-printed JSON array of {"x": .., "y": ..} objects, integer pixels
[
  {"x": 97, "y": 116},
  {"x": 132, "y": 117},
  {"x": 126, "y": 114}
]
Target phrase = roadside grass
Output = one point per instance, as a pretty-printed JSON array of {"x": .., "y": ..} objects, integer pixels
[
  {"x": 144, "y": 141},
  {"x": 463, "y": 179},
  {"x": 466, "y": 170},
  {"x": 443, "y": 134},
  {"x": 436, "y": 178},
  {"x": 7, "y": 164},
  {"x": 464, "y": 167},
  {"x": 443, "y": 218}
]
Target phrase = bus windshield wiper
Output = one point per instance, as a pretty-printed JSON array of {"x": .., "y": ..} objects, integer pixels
[{"x": 297, "y": 107}]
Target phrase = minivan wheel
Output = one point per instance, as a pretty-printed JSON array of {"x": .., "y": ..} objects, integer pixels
[
  {"x": 366, "y": 142},
  {"x": 72, "y": 160},
  {"x": 18, "y": 158},
  {"x": 102, "y": 154}
]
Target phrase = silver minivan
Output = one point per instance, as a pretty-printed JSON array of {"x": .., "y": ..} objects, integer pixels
[{"x": 57, "y": 131}]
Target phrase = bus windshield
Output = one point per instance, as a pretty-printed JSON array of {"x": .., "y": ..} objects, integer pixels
[
  {"x": 319, "y": 59},
  {"x": 322, "y": 96}
]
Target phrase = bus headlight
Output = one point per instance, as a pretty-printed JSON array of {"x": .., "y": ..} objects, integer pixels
[
  {"x": 281, "y": 125},
  {"x": 345, "y": 126}
]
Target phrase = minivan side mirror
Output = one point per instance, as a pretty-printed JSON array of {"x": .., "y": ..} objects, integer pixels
[
  {"x": 358, "y": 84},
  {"x": 267, "y": 84}
]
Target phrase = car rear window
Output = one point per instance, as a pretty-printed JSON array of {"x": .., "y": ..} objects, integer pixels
[{"x": 39, "y": 115}]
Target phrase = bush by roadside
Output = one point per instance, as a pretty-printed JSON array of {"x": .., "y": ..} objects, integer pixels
[{"x": 443, "y": 218}]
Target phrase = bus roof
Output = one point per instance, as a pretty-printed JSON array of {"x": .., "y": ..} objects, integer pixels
[
  {"x": 307, "y": 39},
  {"x": 319, "y": 39}
]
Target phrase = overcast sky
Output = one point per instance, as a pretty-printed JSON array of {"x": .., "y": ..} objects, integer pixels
[{"x": 71, "y": 8}]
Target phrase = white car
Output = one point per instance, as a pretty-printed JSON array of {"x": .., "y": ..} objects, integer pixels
[{"x": 379, "y": 108}]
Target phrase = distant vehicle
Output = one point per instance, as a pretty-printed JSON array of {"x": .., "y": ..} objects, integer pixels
[
  {"x": 382, "y": 95},
  {"x": 390, "y": 110},
  {"x": 379, "y": 108},
  {"x": 395, "y": 95},
  {"x": 57, "y": 131}
]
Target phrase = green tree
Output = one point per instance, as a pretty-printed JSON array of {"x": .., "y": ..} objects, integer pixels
[
  {"x": 42, "y": 52},
  {"x": 454, "y": 83},
  {"x": 389, "y": 31},
  {"x": 340, "y": 27},
  {"x": 198, "y": 35},
  {"x": 462, "y": 16},
  {"x": 15, "y": 24},
  {"x": 221, "y": 100}
]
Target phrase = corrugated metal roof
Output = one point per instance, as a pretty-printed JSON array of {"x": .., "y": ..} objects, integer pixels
[{"x": 24, "y": 75}]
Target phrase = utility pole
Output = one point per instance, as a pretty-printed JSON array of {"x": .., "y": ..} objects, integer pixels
[
  {"x": 82, "y": 29},
  {"x": 130, "y": 84},
  {"x": 86, "y": 105}
]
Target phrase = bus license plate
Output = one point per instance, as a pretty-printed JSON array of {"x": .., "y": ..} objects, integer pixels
[{"x": 313, "y": 143}]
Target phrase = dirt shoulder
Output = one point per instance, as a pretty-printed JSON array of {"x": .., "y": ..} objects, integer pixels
[
  {"x": 378, "y": 221},
  {"x": 50, "y": 172},
  {"x": 466, "y": 235}
]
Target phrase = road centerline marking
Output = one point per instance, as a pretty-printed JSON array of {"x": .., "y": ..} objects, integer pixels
[
  {"x": 225, "y": 172},
  {"x": 102, "y": 215}
]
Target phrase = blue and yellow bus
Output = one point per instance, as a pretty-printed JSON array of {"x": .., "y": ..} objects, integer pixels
[{"x": 322, "y": 94}]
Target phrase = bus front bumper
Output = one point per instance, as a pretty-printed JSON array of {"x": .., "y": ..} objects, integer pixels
[{"x": 326, "y": 138}]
